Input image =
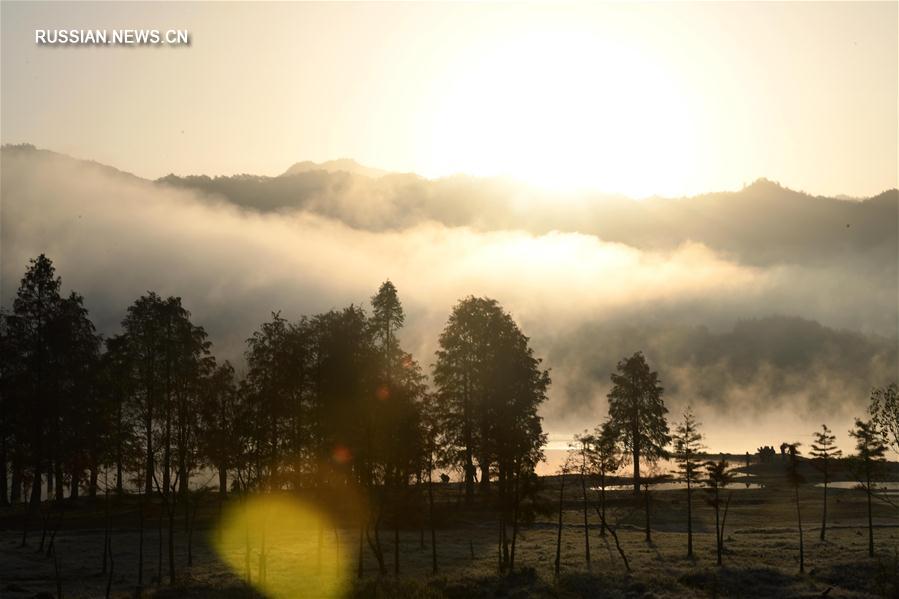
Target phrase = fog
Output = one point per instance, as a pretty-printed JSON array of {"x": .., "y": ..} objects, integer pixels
[{"x": 764, "y": 344}]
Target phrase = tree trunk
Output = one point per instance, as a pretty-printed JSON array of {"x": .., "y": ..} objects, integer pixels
[
  {"x": 360, "y": 568},
  {"x": 870, "y": 518},
  {"x": 223, "y": 480},
  {"x": 4, "y": 489},
  {"x": 648, "y": 526},
  {"x": 605, "y": 525},
  {"x": 76, "y": 483},
  {"x": 35, "y": 501},
  {"x": 170, "y": 508},
  {"x": 151, "y": 466},
  {"x": 431, "y": 522},
  {"x": 15, "y": 493},
  {"x": 514, "y": 527},
  {"x": 140, "y": 545},
  {"x": 602, "y": 502},
  {"x": 119, "y": 457},
  {"x": 824, "y": 512},
  {"x": 105, "y": 530},
  {"x": 396, "y": 545},
  {"x": 60, "y": 479},
  {"x": 636, "y": 455},
  {"x": 92, "y": 488},
  {"x": 586, "y": 523},
  {"x": 799, "y": 522},
  {"x": 689, "y": 519},
  {"x": 717, "y": 529},
  {"x": 559, "y": 532}
]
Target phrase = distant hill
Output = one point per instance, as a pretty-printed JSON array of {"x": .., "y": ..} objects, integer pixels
[
  {"x": 761, "y": 224},
  {"x": 344, "y": 165}
]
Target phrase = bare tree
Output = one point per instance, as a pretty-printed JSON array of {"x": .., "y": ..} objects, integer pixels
[
  {"x": 795, "y": 479},
  {"x": 718, "y": 476},
  {"x": 869, "y": 454}
]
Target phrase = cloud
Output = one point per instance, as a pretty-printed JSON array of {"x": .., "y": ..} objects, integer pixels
[{"x": 584, "y": 301}]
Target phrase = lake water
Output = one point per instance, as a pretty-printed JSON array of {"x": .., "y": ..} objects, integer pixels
[
  {"x": 741, "y": 482},
  {"x": 889, "y": 488}
]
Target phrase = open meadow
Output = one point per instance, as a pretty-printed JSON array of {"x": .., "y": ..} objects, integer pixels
[{"x": 761, "y": 551}]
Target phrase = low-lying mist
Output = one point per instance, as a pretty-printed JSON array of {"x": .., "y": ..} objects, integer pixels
[{"x": 779, "y": 339}]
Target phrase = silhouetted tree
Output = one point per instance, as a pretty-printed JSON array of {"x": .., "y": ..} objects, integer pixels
[
  {"x": 795, "y": 479},
  {"x": 489, "y": 386},
  {"x": 638, "y": 413},
  {"x": 563, "y": 470},
  {"x": 400, "y": 391},
  {"x": 117, "y": 384},
  {"x": 581, "y": 453},
  {"x": 870, "y": 450},
  {"x": 687, "y": 443},
  {"x": 766, "y": 454},
  {"x": 884, "y": 410},
  {"x": 218, "y": 412},
  {"x": 605, "y": 458},
  {"x": 825, "y": 450},
  {"x": 35, "y": 308},
  {"x": 718, "y": 476},
  {"x": 143, "y": 330}
]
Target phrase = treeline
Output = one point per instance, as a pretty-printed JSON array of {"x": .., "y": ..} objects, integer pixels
[
  {"x": 329, "y": 400},
  {"x": 332, "y": 402}
]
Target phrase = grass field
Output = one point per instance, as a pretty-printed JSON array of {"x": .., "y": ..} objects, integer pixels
[{"x": 760, "y": 560}]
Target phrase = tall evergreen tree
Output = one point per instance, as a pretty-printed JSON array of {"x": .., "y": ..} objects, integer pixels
[
  {"x": 637, "y": 412},
  {"x": 35, "y": 308},
  {"x": 825, "y": 451},
  {"x": 687, "y": 443}
]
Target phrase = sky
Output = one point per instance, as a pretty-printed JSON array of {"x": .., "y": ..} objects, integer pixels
[
  {"x": 765, "y": 309},
  {"x": 641, "y": 99}
]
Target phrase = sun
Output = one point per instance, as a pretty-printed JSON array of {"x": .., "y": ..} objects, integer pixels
[{"x": 566, "y": 110}]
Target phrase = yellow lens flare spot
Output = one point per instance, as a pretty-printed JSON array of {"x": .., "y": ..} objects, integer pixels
[{"x": 284, "y": 547}]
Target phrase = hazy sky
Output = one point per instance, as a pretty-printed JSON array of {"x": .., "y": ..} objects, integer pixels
[{"x": 636, "y": 98}]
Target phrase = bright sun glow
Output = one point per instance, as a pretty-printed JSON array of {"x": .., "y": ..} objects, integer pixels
[
  {"x": 284, "y": 547},
  {"x": 567, "y": 110}
]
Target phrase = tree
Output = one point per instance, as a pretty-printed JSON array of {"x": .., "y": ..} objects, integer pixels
[
  {"x": 36, "y": 306},
  {"x": 687, "y": 443},
  {"x": 401, "y": 391},
  {"x": 605, "y": 459},
  {"x": 869, "y": 453},
  {"x": 581, "y": 452},
  {"x": 143, "y": 330},
  {"x": 488, "y": 386},
  {"x": 80, "y": 424},
  {"x": 795, "y": 479},
  {"x": 824, "y": 449},
  {"x": 718, "y": 476},
  {"x": 884, "y": 410},
  {"x": 117, "y": 384},
  {"x": 637, "y": 412},
  {"x": 563, "y": 470},
  {"x": 219, "y": 417}
]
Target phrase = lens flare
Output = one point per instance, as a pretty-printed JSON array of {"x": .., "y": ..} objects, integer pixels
[{"x": 283, "y": 546}]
